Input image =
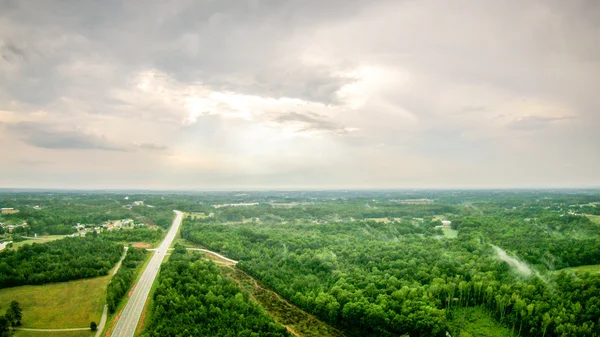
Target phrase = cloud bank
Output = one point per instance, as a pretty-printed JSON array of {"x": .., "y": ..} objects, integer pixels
[{"x": 299, "y": 94}]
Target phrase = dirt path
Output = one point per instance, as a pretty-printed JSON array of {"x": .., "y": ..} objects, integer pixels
[
  {"x": 102, "y": 321},
  {"x": 218, "y": 256}
]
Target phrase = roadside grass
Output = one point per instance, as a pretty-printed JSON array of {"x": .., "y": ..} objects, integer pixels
[
  {"x": 63, "y": 305},
  {"x": 177, "y": 237},
  {"x": 22, "y": 333},
  {"x": 148, "y": 310},
  {"x": 295, "y": 320},
  {"x": 40, "y": 239},
  {"x": 112, "y": 319},
  {"x": 476, "y": 322},
  {"x": 185, "y": 243}
]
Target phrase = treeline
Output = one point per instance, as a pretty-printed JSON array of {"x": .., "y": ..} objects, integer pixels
[
  {"x": 193, "y": 299},
  {"x": 57, "y": 261},
  {"x": 388, "y": 279},
  {"x": 137, "y": 234},
  {"x": 123, "y": 279}
]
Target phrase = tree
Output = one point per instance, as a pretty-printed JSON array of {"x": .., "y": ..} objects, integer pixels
[
  {"x": 93, "y": 326},
  {"x": 4, "y": 326},
  {"x": 14, "y": 313}
]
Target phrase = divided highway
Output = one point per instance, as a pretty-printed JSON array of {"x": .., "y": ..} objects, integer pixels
[{"x": 133, "y": 310}]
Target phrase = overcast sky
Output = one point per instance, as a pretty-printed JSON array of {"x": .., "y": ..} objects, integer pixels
[{"x": 299, "y": 94}]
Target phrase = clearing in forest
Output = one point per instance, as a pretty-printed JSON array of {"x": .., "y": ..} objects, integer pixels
[
  {"x": 295, "y": 320},
  {"x": 594, "y": 218},
  {"x": 592, "y": 269},
  {"x": 39, "y": 239},
  {"x": 476, "y": 322},
  {"x": 72, "y": 304},
  {"x": 141, "y": 245}
]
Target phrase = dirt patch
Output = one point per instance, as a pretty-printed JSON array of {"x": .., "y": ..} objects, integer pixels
[
  {"x": 113, "y": 322},
  {"x": 141, "y": 245}
]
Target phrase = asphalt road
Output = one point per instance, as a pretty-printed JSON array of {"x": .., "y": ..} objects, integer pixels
[{"x": 133, "y": 310}]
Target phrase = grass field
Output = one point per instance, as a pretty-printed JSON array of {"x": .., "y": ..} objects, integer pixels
[
  {"x": 40, "y": 239},
  {"x": 476, "y": 322},
  {"x": 297, "y": 321},
  {"x": 62, "y": 305},
  {"x": 593, "y": 269},
  {"x": 195, "y": 215},
  {"x": 21, "y": 333},
  {"x": 594, "y": 218},
  {"x": 185, "y": 243},
  {"x": 450, "y": 233}
]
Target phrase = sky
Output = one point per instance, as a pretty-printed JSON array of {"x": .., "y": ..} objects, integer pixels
[{"x": 207, "y": 94}]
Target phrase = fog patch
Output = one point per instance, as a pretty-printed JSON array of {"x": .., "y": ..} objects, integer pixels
[{"x": 520, "y": 267}]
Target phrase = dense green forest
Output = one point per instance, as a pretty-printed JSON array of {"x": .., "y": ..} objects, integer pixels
[
  {"x": 57, "y": 261},
  {"x": 138, "y": 234},
  {"x": 122, "y": 281},
  {"x": 371, "y": 263},
  {"x": 387, "y": 278},
  {"x": 193, "y": 299}
]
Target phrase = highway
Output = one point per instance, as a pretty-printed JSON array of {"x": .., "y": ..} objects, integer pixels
[{"x": 133, "y": 310}]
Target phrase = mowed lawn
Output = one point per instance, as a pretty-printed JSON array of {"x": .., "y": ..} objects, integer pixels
[
  {"x": 40, "y": 239},
  {"x": 72, "y": 304},
  {"x": 21, "y": 333}
]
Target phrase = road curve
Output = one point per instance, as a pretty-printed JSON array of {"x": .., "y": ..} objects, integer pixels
[{"x": 133, "y": 310}]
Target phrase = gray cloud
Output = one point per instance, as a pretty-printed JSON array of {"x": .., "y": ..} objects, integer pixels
[
  {"x": 152, "y": 147},
  {"x": 11, "y": 53},
  {"x": 435, "y": 100},
  {"x": 46, "y": 136}
]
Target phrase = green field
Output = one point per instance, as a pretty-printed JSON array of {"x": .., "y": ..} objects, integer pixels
[
  {"x": 62, "y": 305},
  {"x": 21, "y": 333},
  {"x": 593, "y": 269},
  {"x": 476, "y": 322},
  {"x": 595, "y": 218},
  {"x": 40, "y": 239},
  {"x": 450, "y": 233},
  {"x": 196, "y": 215}
]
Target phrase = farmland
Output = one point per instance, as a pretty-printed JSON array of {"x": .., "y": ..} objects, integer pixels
[{"x": 72, "y": 304}]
